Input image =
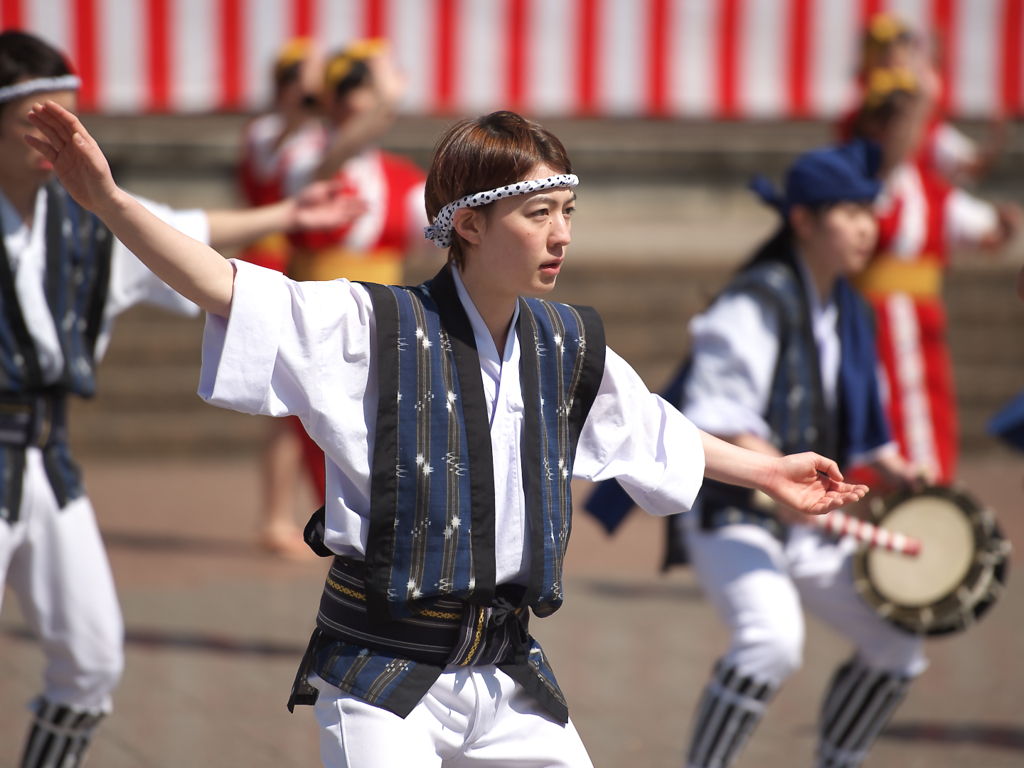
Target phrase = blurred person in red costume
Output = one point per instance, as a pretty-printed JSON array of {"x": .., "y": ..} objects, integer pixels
[
  {"x": 288, "y": 141},
  {"x": 922, "y": 219},
  {"x": 362, "y": 88},
  {"x": 285, "y": 139},
  {"x": 890, "y": 43},
  {"x": 361, "y": 85}
]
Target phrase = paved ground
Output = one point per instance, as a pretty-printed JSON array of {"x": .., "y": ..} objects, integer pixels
[{"x": 215, "y": 631}]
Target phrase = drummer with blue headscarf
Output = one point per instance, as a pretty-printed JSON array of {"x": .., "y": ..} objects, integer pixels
[{"x": 784, "y": 361}]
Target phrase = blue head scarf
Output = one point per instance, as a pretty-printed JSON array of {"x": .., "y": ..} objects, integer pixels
[{"x": 828, "y": 175}]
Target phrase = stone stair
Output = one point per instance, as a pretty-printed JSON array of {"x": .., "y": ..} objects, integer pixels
[{"x": 148, "y": 402}]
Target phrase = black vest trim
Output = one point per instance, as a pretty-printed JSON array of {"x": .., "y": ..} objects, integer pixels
[
  {"x": 592, "y": 373},
  {"x": 529, "y": 378},
  {"x": 478, "y": 432},
  {"x": 381, "y": 539}
]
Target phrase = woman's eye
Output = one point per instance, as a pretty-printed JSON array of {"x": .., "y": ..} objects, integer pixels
[
  {"x": 570, "y": 211},
  {"x": 540, "y": 212}
]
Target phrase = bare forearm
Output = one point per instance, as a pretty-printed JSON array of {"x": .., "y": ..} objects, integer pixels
[
  {"x": 728, "y": 462},
  {"x": 229, "y": 228},
  {"x": 193, "y": 269},
  {"x": 349, "y": 141}
]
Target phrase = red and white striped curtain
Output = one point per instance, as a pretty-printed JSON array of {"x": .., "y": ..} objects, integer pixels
[{"x": 640, "y": 58}]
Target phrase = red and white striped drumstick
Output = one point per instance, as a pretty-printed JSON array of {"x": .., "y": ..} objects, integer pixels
[{"x": 845, "y": 525}]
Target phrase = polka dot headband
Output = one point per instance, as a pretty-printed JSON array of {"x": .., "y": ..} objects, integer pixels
[
  {"x": 39, "y": 85},
  {"x": 441, "y": 230}
]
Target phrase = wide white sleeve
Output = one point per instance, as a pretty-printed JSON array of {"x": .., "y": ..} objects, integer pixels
[
  {"x": 734, "y": 354},
  {"x": 282, "y": 341},
  {"x": 952, "y": 150},
  {"x": 637, "y": 437},
  {"x": 969, "y": 219}
]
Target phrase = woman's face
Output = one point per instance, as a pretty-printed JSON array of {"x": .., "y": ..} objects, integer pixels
[
  {"x": 20, "y": 163},
  {"x": 517, "y": 245},
  {"x": 842, "y": 238}
]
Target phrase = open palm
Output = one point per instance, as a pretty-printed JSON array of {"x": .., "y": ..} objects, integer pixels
[
  {"x": 76, "y": 157},
  {"x": 811, "y": 484}
]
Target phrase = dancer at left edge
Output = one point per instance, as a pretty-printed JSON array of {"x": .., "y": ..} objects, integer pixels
[{"x": 64, "y": 279}]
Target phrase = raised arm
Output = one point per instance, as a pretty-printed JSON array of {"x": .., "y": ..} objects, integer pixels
[
  {"x": 194, "y": 270},
  {"x": 321, "y": 205},
  {"x": 368, "y": 123}
]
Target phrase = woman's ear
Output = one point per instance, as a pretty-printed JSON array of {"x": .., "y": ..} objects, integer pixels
[
  {"x": 470, "y": 224},
  {"x": 801, "y": 220}
]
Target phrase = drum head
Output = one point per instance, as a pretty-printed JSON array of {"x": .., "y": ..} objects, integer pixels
[
  {"x": 944, "y": 559},
  {"x": 958, "y": 574}
]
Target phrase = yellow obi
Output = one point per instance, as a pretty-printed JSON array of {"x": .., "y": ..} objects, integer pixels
[
  {"x": 278, "y": 243},
  {"x": 886, "y": 273},
  {"x": 382, "y": 266}
]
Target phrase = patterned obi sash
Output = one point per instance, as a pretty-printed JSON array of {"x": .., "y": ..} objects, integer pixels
[
  {"x": 393, "y": 664},
  {"x": 38, "y": 420},
  {"x": 450, "y": 632}
]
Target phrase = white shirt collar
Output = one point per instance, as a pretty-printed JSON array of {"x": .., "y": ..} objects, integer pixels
[
  {"x": 484, "y": 341},
  {"x": 811, "y": 289},
  {"x": 17, "y": 234}
]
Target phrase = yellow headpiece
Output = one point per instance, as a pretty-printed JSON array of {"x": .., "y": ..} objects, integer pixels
[
  {"x": 340, "y": 64},
  {"x": 882, "y": 82},
  {"x": 293, "y": 52},
  {"x": 884, "y": 29}
]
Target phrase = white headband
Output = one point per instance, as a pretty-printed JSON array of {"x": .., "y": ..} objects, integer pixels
[
  {"x": 441, "y": 230},
  {"x": 39, "y": 85}
]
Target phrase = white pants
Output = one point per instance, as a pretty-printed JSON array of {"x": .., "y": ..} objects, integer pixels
[
  {"x": 472, "y": 716},
  {"x": 757, "y": 585},
  {"x": 54, "y": 561}
]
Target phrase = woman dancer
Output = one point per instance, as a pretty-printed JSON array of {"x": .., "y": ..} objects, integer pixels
[{"x": 453, "y": 416}]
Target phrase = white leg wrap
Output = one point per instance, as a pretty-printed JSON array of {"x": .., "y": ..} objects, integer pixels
[
  {"x": 729, "y": 710},
  {"x": 60, "y": 736},
  {"x": 859, "y": 703}
]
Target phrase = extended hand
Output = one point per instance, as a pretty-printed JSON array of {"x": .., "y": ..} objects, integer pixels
[
  {"x": 76, "y": 157},
  {"x": 324, "y": 205},
  {"x": 811, "y": 484}
]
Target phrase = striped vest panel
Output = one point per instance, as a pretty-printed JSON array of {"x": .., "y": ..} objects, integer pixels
[
  {"x": 432, "y": 486},
  {"x": 797, "y": 413}
]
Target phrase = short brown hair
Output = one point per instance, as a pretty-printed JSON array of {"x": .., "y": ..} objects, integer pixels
[
  {"x": 26, "y": 57},
  {"x": 481, "y": 153}
]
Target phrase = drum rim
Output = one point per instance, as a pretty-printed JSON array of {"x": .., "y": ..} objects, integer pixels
[{"x": 983, "y": 582}]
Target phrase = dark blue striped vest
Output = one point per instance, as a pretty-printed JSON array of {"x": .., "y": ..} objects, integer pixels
[
  {"x": 78, "y": 248},
  {"x": 425, "y": 595},
  {"x": 432, "y": 487},
  {"x": 797, "y": 412}
]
